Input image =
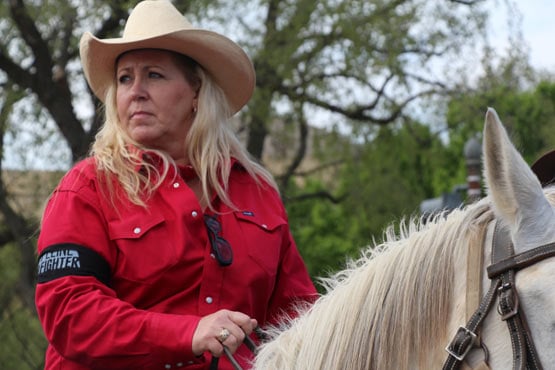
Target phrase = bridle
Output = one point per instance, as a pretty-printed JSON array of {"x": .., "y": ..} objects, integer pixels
[{"x": 504, "y": 265}]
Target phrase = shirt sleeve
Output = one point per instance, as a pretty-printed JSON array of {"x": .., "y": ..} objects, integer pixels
[
  {"x": 83, "y": 318},
  {"x": 294, "y": 286}
]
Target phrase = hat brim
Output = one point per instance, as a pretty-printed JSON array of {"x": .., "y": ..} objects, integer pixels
[
  {"x": 224, "y": 60},
  {"x": 544, "y": 168}
]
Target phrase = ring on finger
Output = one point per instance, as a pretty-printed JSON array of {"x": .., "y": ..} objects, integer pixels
[{"x": 224, "y": 334}]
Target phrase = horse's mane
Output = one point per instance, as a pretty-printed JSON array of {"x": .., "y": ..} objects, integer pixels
[{"x": 395, "y": 297}]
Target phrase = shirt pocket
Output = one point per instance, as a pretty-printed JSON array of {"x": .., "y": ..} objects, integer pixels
[
  {"x": 143, "y": 245},
  {"x": 263, "y": 236}
]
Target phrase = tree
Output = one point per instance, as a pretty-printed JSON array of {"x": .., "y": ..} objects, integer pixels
[
  {"x": 358, "y": 59},
  {"x": 383, "y": 180},
  {"x": 524, "y": 102}
]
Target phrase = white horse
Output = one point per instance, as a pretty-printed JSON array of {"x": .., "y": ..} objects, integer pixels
[{"x": 398, "y": 306}]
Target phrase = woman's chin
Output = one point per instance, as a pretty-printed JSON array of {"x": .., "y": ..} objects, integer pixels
[{"x": 144, "y": 137}]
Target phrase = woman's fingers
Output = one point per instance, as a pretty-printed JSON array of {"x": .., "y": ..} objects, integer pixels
[{"x": 222, "y": 328}]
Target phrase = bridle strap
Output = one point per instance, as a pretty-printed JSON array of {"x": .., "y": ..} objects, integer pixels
[
  {"x": 502, "y": 275},
  {"x": 504, "y": 266},
  {"x": 522, "y": 260},
  {"x": 466, "y": 336}
]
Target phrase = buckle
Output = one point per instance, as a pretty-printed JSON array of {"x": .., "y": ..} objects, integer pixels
[
  {"x": 468, "y": 344},
  {"x": 508, "y": 301}
]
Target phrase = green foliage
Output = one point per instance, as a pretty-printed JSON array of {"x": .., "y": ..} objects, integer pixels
[
  {"x": 23, "y": 343},
  {"x": 323, "y": 234},
  {"x": 528, "y": 115},
  {"x": 390, "y": 176},
  {"x": 386, "y": 179},
  {"x": 389, "y": 170}
]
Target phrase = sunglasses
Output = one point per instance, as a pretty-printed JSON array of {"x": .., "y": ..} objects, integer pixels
[{"x": 221, "y": 248}]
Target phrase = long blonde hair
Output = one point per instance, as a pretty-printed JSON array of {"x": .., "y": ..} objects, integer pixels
[{"x": 210, "y": 145}]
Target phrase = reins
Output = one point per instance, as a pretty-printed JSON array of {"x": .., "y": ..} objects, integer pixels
[
  {"x": 502, "y": 272},
  {"x": 248, "y": 342}
]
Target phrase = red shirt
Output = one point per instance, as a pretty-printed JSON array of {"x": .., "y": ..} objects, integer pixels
[{"x": 163, "y": 278}]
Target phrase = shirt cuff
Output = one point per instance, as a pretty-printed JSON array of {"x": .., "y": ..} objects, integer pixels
[{"x": 172, "y": 343}]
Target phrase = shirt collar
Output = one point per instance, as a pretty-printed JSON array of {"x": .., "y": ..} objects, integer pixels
[{"x": 187, "y": 171}]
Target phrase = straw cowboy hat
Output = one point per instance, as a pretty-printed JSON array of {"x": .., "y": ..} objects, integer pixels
[{"x": 157, "y": 24}]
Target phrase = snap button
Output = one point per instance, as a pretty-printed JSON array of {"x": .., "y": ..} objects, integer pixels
[
  {"x": 265, "y": 226},
  {"x": 137, "y": 230},
  {"x": 209, "y": 300},
  {"x": 168, "y": 366},
  {"x": 179, "y": 364},
  {"x": 176, "y": 185},
  {"x": 194, "y": 213}
]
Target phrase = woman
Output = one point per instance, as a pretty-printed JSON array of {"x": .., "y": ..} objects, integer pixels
[{"x": 167, "y": 243}]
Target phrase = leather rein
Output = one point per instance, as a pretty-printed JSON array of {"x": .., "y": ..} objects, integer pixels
[
  {"x": 504, "y": 265},
  {"x": 248, "y": 342}
]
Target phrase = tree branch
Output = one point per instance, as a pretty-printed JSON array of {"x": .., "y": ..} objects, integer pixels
[
  {"x": 466, "y": 2},
  {"x": 318, "y": 168},
  {"x": 301, "y": 148},
  {"x": 317, "y": 195},
  {"x": 17, "y": 74},
  {"x": 31, "y": 36}
]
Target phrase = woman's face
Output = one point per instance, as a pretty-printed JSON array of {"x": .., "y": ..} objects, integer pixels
[{"x": 154, "y": 100}]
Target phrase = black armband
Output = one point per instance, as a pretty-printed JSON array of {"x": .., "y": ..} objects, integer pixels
[{"x": 68, "y": 259}]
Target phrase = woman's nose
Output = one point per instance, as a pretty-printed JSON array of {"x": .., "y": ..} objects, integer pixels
[{"x": 138, "y": 89}]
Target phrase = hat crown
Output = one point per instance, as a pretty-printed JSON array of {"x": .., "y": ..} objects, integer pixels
[
  {"x": 152, "y": 18},
  {"x": 157, "y": 24}
]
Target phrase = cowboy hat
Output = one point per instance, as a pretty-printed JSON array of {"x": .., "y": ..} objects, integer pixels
[
  {"x": 544, "y": 168},
  {"x": 157, "y": 24}
]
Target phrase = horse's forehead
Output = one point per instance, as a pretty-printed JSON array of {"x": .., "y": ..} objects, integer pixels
[{"x": 533, "y": 278}]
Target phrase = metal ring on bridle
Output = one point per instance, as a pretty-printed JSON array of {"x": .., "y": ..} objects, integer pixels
[{"x": 224, "y": 334}]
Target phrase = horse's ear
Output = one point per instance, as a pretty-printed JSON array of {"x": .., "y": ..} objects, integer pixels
[{"x": 515, "y": 191}]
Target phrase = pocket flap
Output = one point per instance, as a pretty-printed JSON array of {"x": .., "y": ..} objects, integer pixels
[
  {"x": 265, "y": 221},
  {"x": 133, "y": 226}
]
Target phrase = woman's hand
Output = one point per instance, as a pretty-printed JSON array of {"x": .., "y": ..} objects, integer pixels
[{"x": 211, "y": 328}]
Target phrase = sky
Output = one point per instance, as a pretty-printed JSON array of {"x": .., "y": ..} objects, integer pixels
[{"x": 538, "y": 28}]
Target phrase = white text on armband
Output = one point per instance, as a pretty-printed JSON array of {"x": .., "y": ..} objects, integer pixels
[
  {"x": 58, "y": 260},
  {"x": 69, "y": 259}
]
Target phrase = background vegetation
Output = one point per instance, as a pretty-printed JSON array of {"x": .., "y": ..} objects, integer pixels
[{"x": 361, "y": 111}]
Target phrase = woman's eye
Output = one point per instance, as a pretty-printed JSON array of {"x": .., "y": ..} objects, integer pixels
[
  {"x": 123, "y": 79},
  {"x": 154, "y": 75}
]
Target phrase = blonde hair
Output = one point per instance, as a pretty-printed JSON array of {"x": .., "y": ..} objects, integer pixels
[{"x": 210, "y": 145}]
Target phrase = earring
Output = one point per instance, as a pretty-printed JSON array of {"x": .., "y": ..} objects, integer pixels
[{"x": 195, "y": 110}]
